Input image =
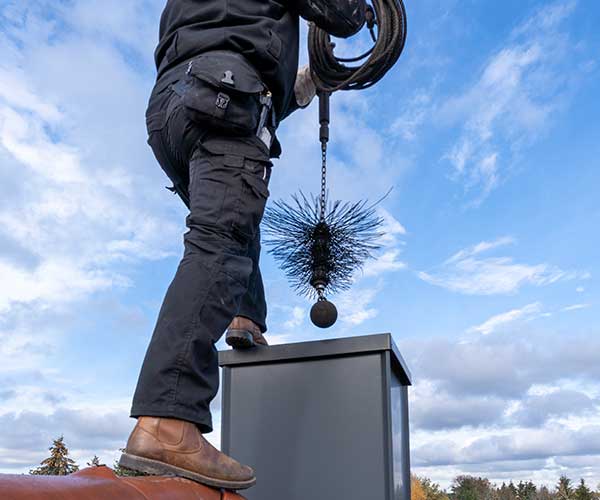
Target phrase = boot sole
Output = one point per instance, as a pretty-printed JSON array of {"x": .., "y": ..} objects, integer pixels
[
  {"x": 156, "y": 468},
  {"x": 239, "y": 339}
]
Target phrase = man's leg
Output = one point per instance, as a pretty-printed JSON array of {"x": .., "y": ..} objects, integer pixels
[
  {"x": 247, "y": 329},
  {"x": 179, "y": 376},
  {"x": 253, "y": 305}
]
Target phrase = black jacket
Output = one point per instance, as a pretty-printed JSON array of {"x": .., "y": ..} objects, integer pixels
[{"x": 266, "y": 32}]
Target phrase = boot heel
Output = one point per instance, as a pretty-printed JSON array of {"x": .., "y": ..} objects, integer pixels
[
  {"x": 239, "y": 339},
  {"x": 139, "y": 464}
]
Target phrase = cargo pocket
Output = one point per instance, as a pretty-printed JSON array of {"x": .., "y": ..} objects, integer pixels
[
  {"x": 223, "y": 92},
  {"x": 208, "y": 191},
  {"x": 255, "y": 177}
]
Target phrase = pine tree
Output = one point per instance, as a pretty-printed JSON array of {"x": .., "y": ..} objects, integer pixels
[
  {"x": 583, "y": 492},
  {"x": 505, "y": 492},
  {"x": 58, "y": 463},
  {"x": 471, "y": 488},
  {"x": 564, "y": 490},
  {"x": 513, "y": 489},
  {"x": 94, "y": 462},
  {"x": 526, "y": 491}
]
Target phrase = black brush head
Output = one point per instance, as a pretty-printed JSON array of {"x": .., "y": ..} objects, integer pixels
[{"x": 325, "y": 252}]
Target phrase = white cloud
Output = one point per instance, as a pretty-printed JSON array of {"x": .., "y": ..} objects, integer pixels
[
  {"x": 69, "y": 217},
  {"x": 491, "y": 276},
  {"x": 467, "y": 411},
  {"x": 575, "y": 307},
  {"x": 518, "y": 91},
  {"x": 467, "y": 273},
  {"x": 514, "y": 444},
  {"x": 508, "y": 365},
  {"x": 486, "y": 173},
  {"x": 13, "y": 89},
  {"x": 526, "y": 313},
  {"x": 560, "y": 403},
  {"x": 387, "y": 259},
  {"x": 519, "y": 406},
  {"x": 392, "y": 228},
  {"x": 503, "y": 319},
  {"x": 297, "y": 318},
  {"x": 481, "y": 247},
  {"x": 355, "y": 305},
  {"x": 83, "y": 206},
  {"x": 53, "y": 281},
  {"x": 118, "y": 22},
  {"x": 386, "y": 262},
  {"x": 547, "y": 18},
  {"x": 413, "y": 116}
]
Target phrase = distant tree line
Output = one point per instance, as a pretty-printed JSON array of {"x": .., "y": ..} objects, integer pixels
[
  {"x": 479, "y": 488},
  {"x": 463, "y": 487}
]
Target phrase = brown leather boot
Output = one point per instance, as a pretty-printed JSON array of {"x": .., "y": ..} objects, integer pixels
[
  {"x": 168, "y": 446},
  {"x": 244, "y": 333}
]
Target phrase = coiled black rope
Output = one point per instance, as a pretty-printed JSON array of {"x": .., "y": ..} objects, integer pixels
[{"x": 330, "y": 73}]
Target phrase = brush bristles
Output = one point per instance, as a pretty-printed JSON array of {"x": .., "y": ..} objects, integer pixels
[{"x": 291, "y": 230}]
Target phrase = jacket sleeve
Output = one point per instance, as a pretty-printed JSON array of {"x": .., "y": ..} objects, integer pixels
[
  {"x": 293, "y": 106},
  {"x": 340, "y": 18}
]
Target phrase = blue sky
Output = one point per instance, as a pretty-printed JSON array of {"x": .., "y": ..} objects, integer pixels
[{"x": 487, "y": 129}]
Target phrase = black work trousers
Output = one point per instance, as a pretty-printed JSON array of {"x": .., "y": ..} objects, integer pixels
[{"x": 226, "y": 179}]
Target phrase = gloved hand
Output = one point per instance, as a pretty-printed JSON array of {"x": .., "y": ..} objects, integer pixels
[
  {"x": 341, "y": 18},
  {"x": 304, "y": 88}
]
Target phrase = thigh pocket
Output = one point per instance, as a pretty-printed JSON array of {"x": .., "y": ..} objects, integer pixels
[
  {"x": 208, "y": 189},
  {"x": 254, "y": 193}
]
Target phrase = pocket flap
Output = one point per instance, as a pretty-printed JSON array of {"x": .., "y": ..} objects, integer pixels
[
  {"x": 248, "y": 147},
  {"x": 227, "y": 70}
]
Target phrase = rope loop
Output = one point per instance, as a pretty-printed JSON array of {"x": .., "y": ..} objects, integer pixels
[{"x": 330, "y": 73}]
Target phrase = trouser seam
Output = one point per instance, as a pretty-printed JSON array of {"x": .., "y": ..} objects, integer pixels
[{"x": 194, "y": 325}]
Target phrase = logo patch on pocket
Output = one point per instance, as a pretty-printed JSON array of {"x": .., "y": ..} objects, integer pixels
[{"x": 222, "y": 100}]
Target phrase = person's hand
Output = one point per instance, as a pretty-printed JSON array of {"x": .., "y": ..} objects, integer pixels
[
  {"x": 304, "y": 88},
  {"x": 341, "y": 18}
]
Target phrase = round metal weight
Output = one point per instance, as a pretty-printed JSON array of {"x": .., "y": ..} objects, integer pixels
[{"x": 323, "y": 314}]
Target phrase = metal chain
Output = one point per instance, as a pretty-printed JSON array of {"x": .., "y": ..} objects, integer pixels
[{"x": 323, "y": 179}]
